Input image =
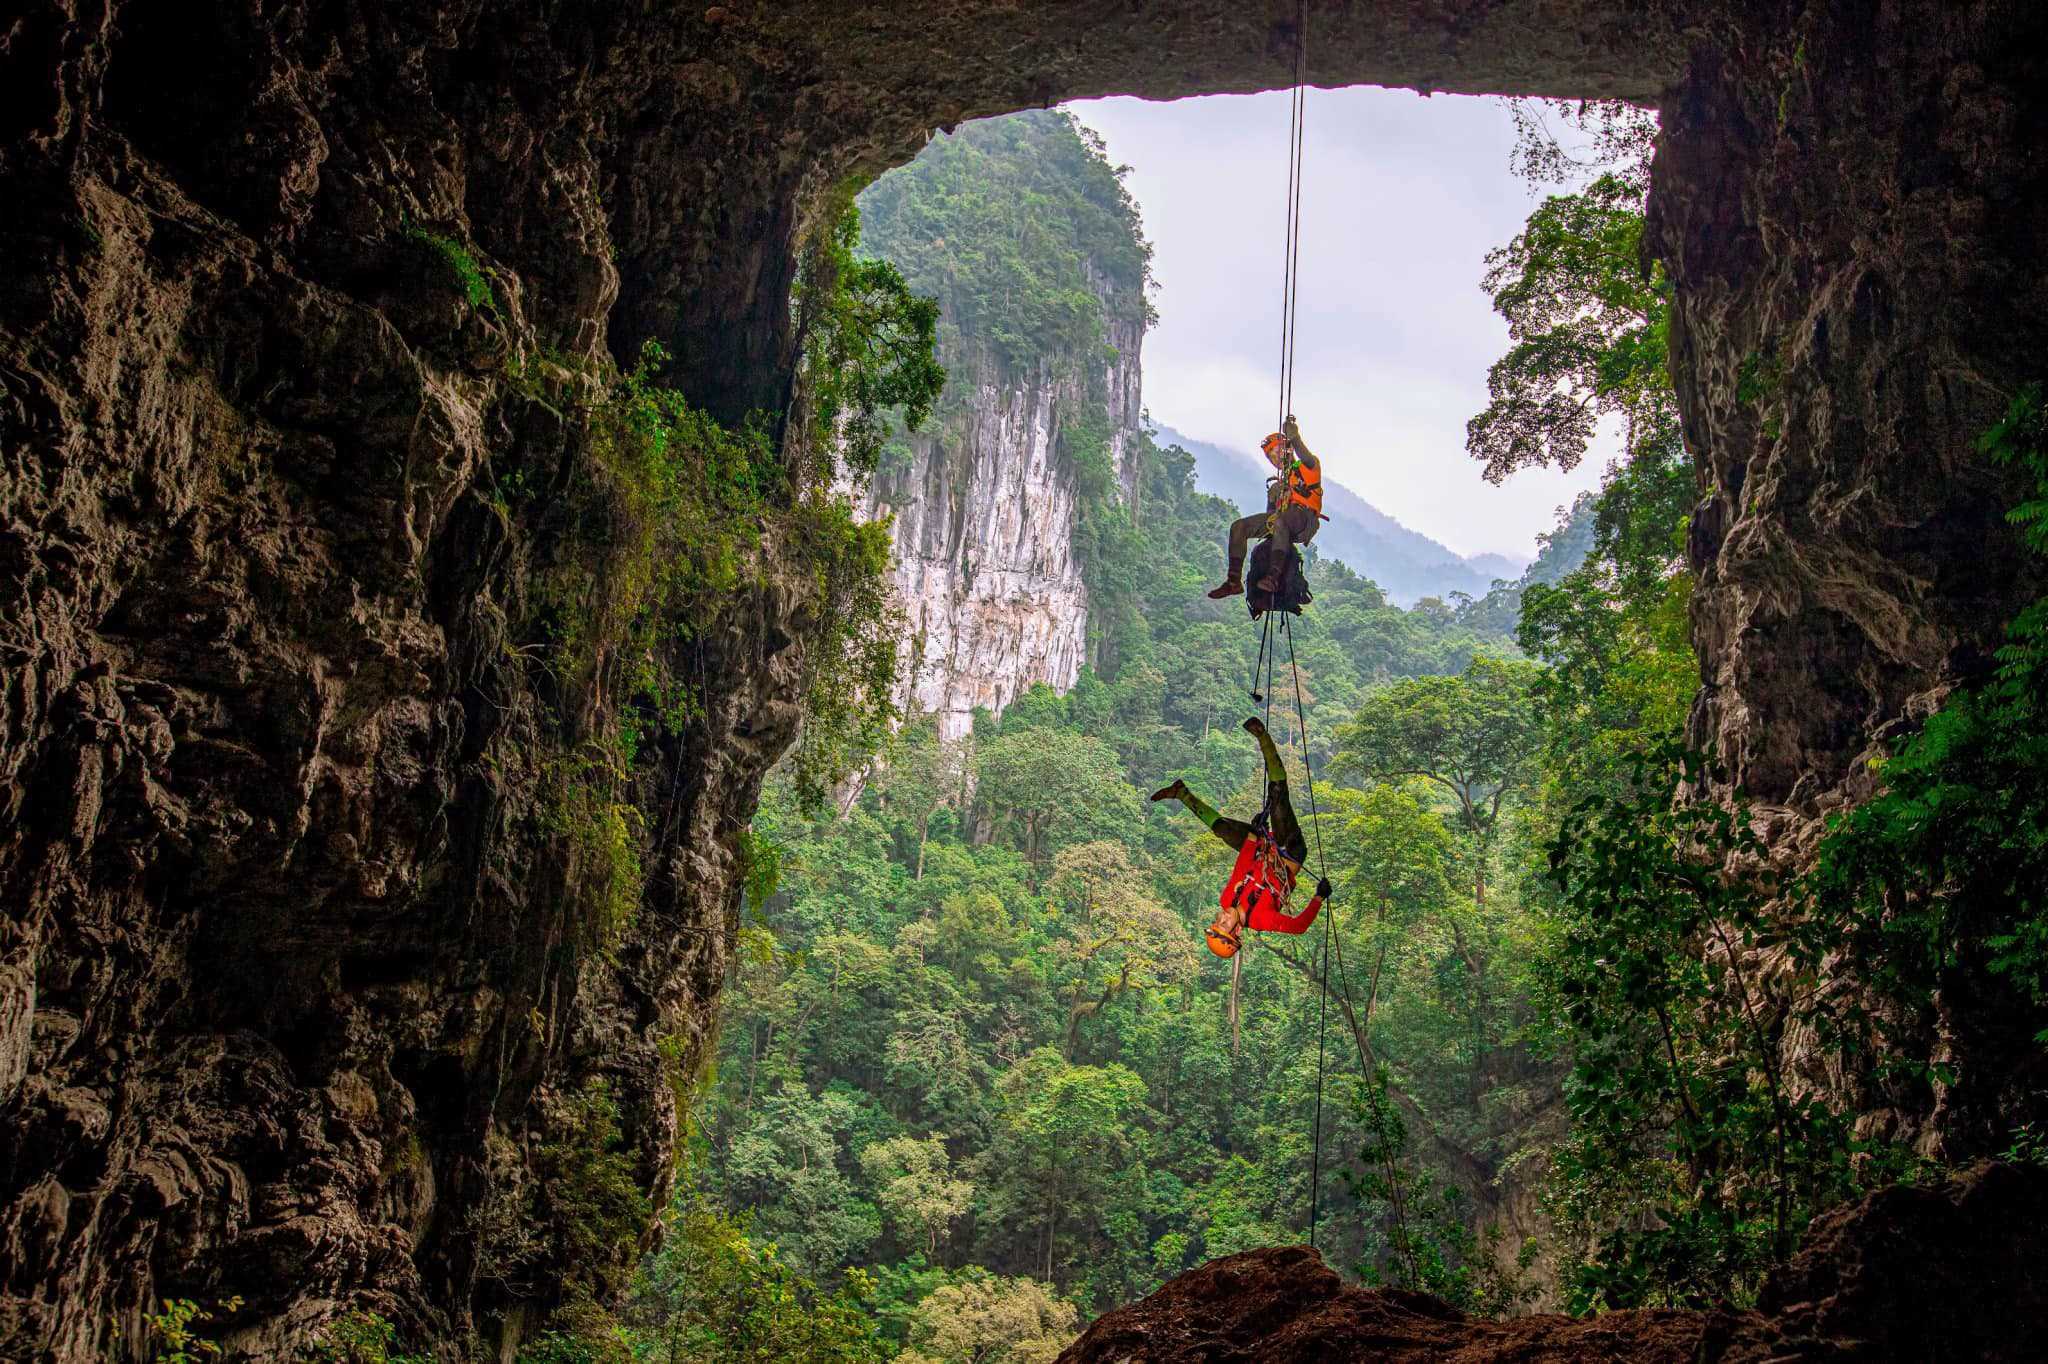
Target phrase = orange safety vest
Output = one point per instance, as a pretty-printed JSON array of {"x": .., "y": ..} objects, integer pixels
[{"x": 1305, "y": 486}]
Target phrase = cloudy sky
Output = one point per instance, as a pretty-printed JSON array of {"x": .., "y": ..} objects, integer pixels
[{"x": 1403, "y": 197}]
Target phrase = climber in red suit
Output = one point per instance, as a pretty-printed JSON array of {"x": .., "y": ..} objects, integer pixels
[{"x": 1267, "y": 863}]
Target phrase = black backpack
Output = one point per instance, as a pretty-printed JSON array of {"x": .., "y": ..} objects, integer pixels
[{"x": 1293, "y": 593}]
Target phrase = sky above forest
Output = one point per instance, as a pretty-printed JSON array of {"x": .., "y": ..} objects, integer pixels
[{"x": 1403, "y": 197}]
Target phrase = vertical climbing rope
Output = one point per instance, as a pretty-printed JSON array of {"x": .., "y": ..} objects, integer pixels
[
  {"x": 1272, "y": 656},
  {"x": 1261, "y": 689},
  {"x": 1290, "y": 280},
  {"x": 1290, "y": 295},
  {"x": 1315, "y": 1178},
  {"x": 1256, "y": 688}
]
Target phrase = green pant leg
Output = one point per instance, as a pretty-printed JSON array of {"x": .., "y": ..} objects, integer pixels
[
  {"x": 1243, "y": 531},
  {"x": 1231, "y": 831},
  {"x": 1276, "y": 771}
]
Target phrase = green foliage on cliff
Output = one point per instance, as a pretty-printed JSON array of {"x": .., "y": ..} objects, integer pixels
[
  {"x": 868, "y": 354},
  {"x": 653, "y": 525},
  {"x": 1687, "y": 969},
  {"x": 1945, "y": 874},
  {"x": 589, "y": 1206},
  {"x": 671, "y": 520},
  {"x": 1013, "y": 224},
  {"x": 468, "y": 272},
  {"x": 176, "y": 1333},
  {"x": 359, "y": 1338}
]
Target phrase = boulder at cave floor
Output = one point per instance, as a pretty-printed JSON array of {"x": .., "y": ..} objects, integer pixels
[{"x": 1957, "y": 1271}]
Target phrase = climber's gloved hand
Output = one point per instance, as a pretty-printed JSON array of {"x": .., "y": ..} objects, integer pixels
[{"x": 1323, "y": 889}]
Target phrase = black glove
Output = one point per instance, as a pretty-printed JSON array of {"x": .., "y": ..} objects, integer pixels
[{"x": 1323, "y": 891}]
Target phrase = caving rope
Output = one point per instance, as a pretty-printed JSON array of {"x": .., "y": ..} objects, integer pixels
[
  {"x": 1260, "y": 684},
  {"x": 1261, "y": 692},
  {"x": 1315, "y": 1177},
  {"x": 1290, "y": 294},
  {"x": 1290, "y": 279}
]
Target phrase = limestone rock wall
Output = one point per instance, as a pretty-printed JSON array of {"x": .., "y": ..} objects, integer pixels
[
  {"x": 1853, "y": 204},
  {"x": 984, "y": 520},
  {"x": 1851, "y": 201},
  {"x": 294, "y": 985}
]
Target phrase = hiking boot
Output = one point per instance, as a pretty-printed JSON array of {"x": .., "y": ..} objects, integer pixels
[
  {"x": 1177, "y": 791},
  {"x": 1269, "y": 584},
  {"x": 1233, "y": 586},
  {"x": 1253, "y": 725}
]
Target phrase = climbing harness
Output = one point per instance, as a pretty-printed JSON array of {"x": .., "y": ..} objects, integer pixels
[{"x": 1261, "y": 882}]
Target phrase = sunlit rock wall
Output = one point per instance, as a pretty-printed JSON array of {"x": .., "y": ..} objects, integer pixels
[{"x": 984, "y": 525}]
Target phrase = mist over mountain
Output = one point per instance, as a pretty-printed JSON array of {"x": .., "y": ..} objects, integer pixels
[{"x": 1407, "y": 564}]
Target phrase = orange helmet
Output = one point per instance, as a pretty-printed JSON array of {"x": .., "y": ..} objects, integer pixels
[
  {"x": 1221, "y": 943},
  {"x": 1273, "y": 444}
]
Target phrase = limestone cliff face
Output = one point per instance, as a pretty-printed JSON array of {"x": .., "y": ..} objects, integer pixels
[
  {"x": 984, "y": 525},
  {"x": 1851, "y": 239},
  {"x": 296, "y": 987}
]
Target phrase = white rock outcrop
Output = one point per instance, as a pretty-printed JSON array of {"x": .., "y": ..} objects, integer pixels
[{"x": 984, "y": 524}]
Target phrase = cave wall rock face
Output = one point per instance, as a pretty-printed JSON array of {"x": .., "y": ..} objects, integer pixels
[
  {"x": 293, "y": 990},
  {"x": 1853, "y": 205},
  {"x": 984, "y": 513}
]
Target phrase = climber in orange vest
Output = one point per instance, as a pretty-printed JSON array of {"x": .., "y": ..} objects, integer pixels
[
  {"x": 1268, "y": 857},
  {"x": 1294, "y": 509}
]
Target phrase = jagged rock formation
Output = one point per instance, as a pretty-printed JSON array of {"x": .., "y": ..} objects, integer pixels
[
  {"x": 1950, "y": 1273},
  {"x": 986, "y": 499},
  {"x": 1850, "y": 239},
  {"x": 1850, "y": 203},
  {"x": 292, "y": 986},
  {"x": 984, "y": 527}
]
